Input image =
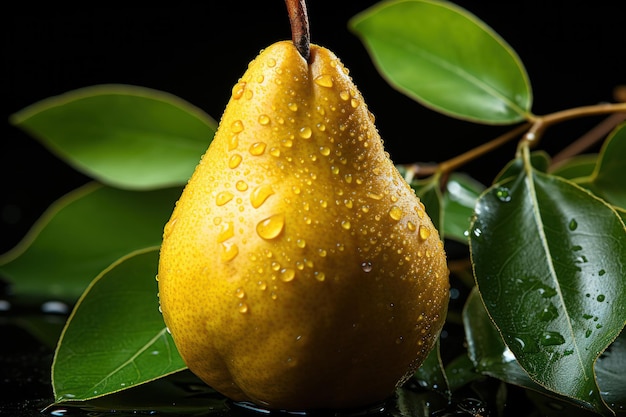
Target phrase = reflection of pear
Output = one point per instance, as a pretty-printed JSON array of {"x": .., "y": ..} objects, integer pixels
[{"x": 299, "y": 270}]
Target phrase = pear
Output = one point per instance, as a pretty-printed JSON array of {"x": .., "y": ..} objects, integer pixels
[{"x": 299, "y": 270}]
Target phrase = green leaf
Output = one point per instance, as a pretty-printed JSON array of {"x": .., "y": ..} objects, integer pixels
[
  {"x": 115, "y": 338},
  {"x": 610, "y": 379},
  {"x": 178, "y": 394},
  {"x": 431, "y": 373},
  {"x": 607, "y": 180},
  {"x": 81, "y": 234},
  {"x": 462, "y": 192},
  {"x": 579, "y": 166},
  {"x": 460, "y": 372},
  {"x": 549, "y": 260},
  {"x": 447, "y": 59},
  {"x": 122, "y": 135},
  {"x": 539, "y": 160},
  {"x": 492, "y": 357}
]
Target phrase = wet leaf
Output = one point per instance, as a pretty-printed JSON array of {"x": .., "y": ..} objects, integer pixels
[
  {"x": 122, "y": 135},
  {"x": 487, "y": 350},
  {"x": 549, "y": 260},
  {"x": 115, "y": 338},
  {"x": 80, "y": 235},
  {"x": 611, "y": 378},
  {"x": 462, "y": 192},
  {"x": 469, "y": 72},
  {"x": 491, "y": 356}
]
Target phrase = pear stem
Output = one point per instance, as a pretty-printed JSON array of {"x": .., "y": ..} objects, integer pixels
[{"x": 299, "y": 20}]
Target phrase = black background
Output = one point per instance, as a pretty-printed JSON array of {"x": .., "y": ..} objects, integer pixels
[{"x": 574, "y": 53}]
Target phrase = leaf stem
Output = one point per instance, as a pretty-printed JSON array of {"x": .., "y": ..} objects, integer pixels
[
  {"x": 299, "y": 20},
  {"x": 541, "y": 123},
  {"x": 534, "y": 128}
]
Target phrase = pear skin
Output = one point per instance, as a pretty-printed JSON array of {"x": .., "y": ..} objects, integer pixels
[{"x": 299, "y": 270}]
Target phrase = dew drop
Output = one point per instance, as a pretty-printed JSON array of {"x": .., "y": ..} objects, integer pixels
[
  {"x": 223, "y": 198},
  {"x": 320, "y": 276},
  {"x": 271, "y": 62},
  {"x": 345, "y": 224},
  {"x": 325, "y": 150},
  {"x": 264, "y": 119},
  {"x": 324, "y": 80},
  {"x": 287, "y": 274},
  {"x": 238, "y": 90},
  {"x": 237, "y": 126},
  {"x": 395, "y": 213},
  {"x": 271, "y": 227},
  {"x": 260, "y": 194},
  {"x": 292, "y": 106},
  {"x": 411, "y": 226},
  {"x": 601, "y": 272},
  {"x": 242, "y": 308},
  {"x": 169, "y": 227},
  {"x": 601, "y": 297},
  {"x": 321, "y": 127},
  {"x": 549, "y": 313},
  {"x": 257, "y": 148},
  {"x": 234, "y": 161},
  {"x": 229, "y": 251},
  {"x": 503, "y": 194},
  {"x": 366, "y": 266},
  {"x": 240, "y": 293},
  {"x": 275, "y": 151},
  {"x": 424, "y": 232},
  {"x": 241, "y": 186},
  {"x": 549, "y": 338},
  {"x": 354, "y": 103},
  {"x": 344, "y": 95},
  {"x": 227, "y": 230},
  {"x": 305, "y": 132},
  {"x": 573, "y": 225},
  {"x": 301, "y": 243},
  {"x": 248, "y": 94},
  {"x": 233, "y": 142}
]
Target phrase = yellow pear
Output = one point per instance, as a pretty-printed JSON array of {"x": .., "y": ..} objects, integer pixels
[{"x": 299, "y": 270}]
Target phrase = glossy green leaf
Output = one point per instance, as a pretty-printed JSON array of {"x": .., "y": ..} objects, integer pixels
[
  {"x": 122, "y": 135},
  {"x": 610, "y": 376},
  {"x": 462, "y": 192},
  {"x": 539, "y": 160},
  {"x": 179, "y": 394},
  {"x": 115, "y": 338},
  {"x": 447, "y": 59},
  {"x": 608, "y": 179},
  {"x": 579, "y": 166},
  {"x": 549, "y": 260},
  {"x": 431, "y": 375},
  {"x": 460, "y": 372},
  {"x": 492, "y": 357},
  {"x": 487, "y": 350},
  {"x": 80, "y": 235}
]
